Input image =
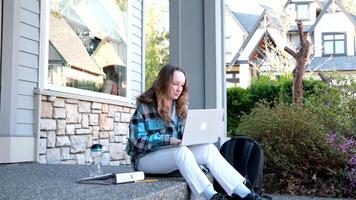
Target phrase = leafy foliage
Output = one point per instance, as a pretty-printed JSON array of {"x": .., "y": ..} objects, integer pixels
[
  {"x": 157, "y": 46},
  {"x": 241, "y": 101},
  {"x": 301, "y": 157},
  {"x": 297, "y": 157}
]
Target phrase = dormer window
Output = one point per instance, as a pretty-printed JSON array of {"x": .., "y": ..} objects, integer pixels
[
  {"x": 334, "y": 44},
  {"x": 302, "y": 11}
]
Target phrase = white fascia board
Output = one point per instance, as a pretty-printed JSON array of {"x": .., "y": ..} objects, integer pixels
[{"x": 252, "y": 44}]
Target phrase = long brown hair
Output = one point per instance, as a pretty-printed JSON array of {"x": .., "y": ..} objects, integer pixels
[{"x": 158, "y": 93}]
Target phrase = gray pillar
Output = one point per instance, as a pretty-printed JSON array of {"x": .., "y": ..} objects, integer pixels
[{"x": 196, "y": 44}]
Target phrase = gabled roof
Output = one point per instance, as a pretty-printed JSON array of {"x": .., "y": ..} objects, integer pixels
[
  {"x": 229, "y": 11},
  {"x": 326, "y": 7},
  {"x": 69, "y": 45},
  {"x": 248, "y": 21},
  {"x": 294, "y": 28},
  {"x": 107, "y": 53},
  {"x": 246, "y": 41},
  {"x": 336, "y": 63}
]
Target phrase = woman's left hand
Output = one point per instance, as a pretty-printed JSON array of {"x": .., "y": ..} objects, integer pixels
[{"x": 174, "y": 141}]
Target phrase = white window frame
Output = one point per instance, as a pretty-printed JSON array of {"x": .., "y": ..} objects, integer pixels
[
  {"x": 334, "y": 40},
  {"x": 297, "y": 11},
  {"x": 43, "y": 70}
]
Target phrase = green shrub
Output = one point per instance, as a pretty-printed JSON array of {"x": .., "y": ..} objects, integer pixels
[
  {"x": 241, "y": 101},
  {"x": 238, "y": 103},
  {"x": 335, "y": 106},
  {"x": 297, "y": 156},
  {"x": 264, "y": 89}
]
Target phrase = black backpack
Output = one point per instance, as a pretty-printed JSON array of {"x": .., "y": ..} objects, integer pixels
[{"x": 246, "y": 156}]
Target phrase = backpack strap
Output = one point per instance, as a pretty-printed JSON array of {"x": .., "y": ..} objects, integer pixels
[
  {"x": 246, "y": 152},
  {"x": 229, "y": 150}
]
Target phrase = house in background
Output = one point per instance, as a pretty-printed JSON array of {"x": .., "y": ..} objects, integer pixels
[
  {"x": 330, "y": 27},
  {"x": 69, "y": 65}
]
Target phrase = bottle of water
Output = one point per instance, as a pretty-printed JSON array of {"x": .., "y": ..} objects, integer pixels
[{"x": 96, "y": 152}]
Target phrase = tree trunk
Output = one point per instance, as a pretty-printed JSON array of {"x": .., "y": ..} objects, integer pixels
[{"x": 301, "y": 57}]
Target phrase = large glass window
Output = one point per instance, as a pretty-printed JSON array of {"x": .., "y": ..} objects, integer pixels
[
  {"x": 334, "y": 44},
  {"x": 88, "y": 45},
  {"x": 302, "y": 11}
]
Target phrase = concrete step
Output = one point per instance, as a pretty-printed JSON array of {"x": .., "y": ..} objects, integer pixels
[{"x": 54, "y": 181}]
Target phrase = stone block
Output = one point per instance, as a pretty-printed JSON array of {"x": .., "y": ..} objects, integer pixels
[
  {"x": 62, "y": 141},
  {"x": 72, "y": 113},
  {"x": 70, "y": 129},
  {"x": 125, "y": 117},
  {"x": 80, "y": 158},
  {"x": 111, "y": 110},
  {"x": 85, "y": 121},
  {"x": 72, "y": 101},
  {"x": 46, "y": 109},
  {"x": 103, "y": 134},
  {"x": 82, "y": 131},
  {"x": 42, "y": 159},
  {"x": 51, "y": 139},
  {"x": 93, "y": 119},
  {"x": 116, "y": 151},
  {"x": 61, "y": 127},
  {"x": 48, "y": 124},
  {"x": 78, "y": 143},
  {"x": 96, "y": 106},
  {"x": 42, "y": 146},
  {"x": 65, "y": 153},
  {"x": 58, "y": 103},
  {"x": 104, "y": 108},
  {"x": 53, "y": 156},
  {"x": 59, "y": 113},
  {"x": 84, "y": 106},
  {"x": 117, "y": 117}
]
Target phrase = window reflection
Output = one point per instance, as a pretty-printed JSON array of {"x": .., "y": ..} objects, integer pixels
[{"x": 88, "y": 45}]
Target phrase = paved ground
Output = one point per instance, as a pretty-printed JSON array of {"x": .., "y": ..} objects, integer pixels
[{"x": 36, "y": 181}]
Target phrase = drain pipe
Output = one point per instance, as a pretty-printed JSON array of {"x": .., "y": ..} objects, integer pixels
[{"x": 37, "y": 126}]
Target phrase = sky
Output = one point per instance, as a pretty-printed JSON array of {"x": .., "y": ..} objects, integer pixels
[
  {"x": 161, "y": 8},
  {"x": 271, "y": 3}
]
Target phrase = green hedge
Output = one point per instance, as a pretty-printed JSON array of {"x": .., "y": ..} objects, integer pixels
[{"x": 241, "y": 101}]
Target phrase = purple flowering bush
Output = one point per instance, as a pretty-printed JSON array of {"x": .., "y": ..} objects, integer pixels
[{"x": 347, "y": 147}]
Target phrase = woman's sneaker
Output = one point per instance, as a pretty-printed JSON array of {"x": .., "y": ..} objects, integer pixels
[
  {"x": 254, "y": 196},
  {"x": 218, "y": 196}
]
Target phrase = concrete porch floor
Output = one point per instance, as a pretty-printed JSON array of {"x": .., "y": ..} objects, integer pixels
[{"x": 54, "y": 181}]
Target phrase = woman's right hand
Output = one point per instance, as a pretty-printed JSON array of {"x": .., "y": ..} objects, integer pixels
[{"x": 174, "y": 141}]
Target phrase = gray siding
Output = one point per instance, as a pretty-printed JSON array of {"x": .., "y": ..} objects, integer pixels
[
  {"x": 136, "y": 63},
  {"x": 27, "y": 78}
]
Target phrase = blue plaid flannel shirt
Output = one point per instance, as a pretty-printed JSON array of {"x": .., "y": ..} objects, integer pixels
[{"x": 148, "y": 132}]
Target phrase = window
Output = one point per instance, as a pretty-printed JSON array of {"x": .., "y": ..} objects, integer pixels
[
  {"x": 302, "y": 11},
  {"x": 334, "y": 44},
  {"x": 88, "y": 45},
  {"x": 228, "y": 44}
]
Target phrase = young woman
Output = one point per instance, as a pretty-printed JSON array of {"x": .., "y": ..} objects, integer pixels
[{"x": 159, "y": 121}]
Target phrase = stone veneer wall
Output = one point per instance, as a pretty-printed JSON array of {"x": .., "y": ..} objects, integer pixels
[{"x": 69, "y": 127}]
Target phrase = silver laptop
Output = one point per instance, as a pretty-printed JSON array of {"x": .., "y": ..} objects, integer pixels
[{"x": 203, "y": 126}]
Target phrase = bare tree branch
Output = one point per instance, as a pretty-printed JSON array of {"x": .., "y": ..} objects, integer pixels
[{"x": 291, "y": 52}]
